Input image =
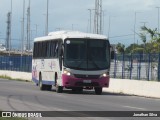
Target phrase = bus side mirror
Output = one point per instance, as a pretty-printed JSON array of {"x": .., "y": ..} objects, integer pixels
[{"x": 112, "y": 55}]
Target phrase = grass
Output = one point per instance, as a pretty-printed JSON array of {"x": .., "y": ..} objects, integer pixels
[
  {"x": 9, "y": 78},
  {"x": 5, "y": 77}
]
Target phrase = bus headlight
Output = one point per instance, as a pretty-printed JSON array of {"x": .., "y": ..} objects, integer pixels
[
  {"x": 105, "y": 74},
  {"x": 67, "y": 73}
]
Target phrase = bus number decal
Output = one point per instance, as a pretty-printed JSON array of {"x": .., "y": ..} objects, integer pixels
[
  {"x": 42, "y": 64},
  {"x": 34, "y": 73},
  {"x": 52, "y": 64}
]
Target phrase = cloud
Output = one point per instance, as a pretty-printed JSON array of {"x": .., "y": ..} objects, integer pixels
[
  {"x": 64, "y": 13},
  {"x": 130, "y": 5}
]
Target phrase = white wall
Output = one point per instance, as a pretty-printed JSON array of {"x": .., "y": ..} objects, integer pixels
[
  {"x": 16, "y": 75},
  {"x": 134, "y": 87},
  {"x": 126, "y": 86}
]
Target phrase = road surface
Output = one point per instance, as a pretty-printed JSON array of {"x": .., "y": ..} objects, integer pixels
[{"x": 26, "y": 96}]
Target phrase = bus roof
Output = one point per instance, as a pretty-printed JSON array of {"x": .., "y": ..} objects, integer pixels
[{"x": 69, "y": 34}]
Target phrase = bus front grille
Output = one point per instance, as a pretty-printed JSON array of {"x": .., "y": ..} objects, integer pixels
[
  {"x": 87, "y": 84},
  {"x": 87, "y": 76}
]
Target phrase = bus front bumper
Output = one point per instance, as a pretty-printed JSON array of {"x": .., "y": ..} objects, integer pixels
[{"x": 71, "y": 81}]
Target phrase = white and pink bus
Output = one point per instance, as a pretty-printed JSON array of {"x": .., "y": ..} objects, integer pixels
[{"x": 72, "y": 60}]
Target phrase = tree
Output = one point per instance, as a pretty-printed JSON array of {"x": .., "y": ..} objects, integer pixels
[
  {"x": 154, "y": 38},
  {"x": 134, "y": 48},
  {"x": 144, "y": 39},
  {"x": 150, "y": 31},
  {"x": 120, "y": 48},
  {"x": 138, "y": 50}
]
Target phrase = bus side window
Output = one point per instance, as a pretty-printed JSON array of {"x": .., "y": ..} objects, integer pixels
[
  {"x": 34, "y": 50},
  {"x": 50, "y": 52},
  {"x": 52, "y": 49},
  {"x": 43, "y": 49},
  {"x": 60, "y": 49},
  {"x": 56, "y": 49},
  {"x": 38, "y": 50},
  {"x": 48, "y": 49}
]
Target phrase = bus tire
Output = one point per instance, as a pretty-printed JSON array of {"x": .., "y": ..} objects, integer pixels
[
  {"x": 41, "y": 86},
  {"x": 98, "y": 90},
  {"x": 59, "y": 89}
]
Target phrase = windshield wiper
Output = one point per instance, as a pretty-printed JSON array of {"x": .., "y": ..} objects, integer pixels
[
  {"x": 94, "y": 63},
  {"x": 80, "y": 64}
]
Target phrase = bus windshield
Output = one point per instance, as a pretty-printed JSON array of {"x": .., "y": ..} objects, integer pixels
[{"x": 86, "y": 54}]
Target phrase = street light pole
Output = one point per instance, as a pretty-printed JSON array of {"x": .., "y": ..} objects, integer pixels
[
  {"x": 10, "y": 29},
  {"x": 158, "y": 18},
  {"x": 144, "y": 23},
  {"x": 23, "y": 27},
  {"x": 47, "y": 19},
  {"x": 135, "y": 27},
  {"x": 135, "y": 20},
  {"x": 36, "y": 29},
  {"x": 90, "y": 10},
  {"x": 28, "y": 27},
  {"x": 109, "y": 26}
]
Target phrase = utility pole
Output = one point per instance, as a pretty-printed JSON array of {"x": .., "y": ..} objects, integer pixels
[
  {"x": 134, "y": 28},
  {"x": 98, "y": 17},
  {"x": 28, "y": 27},
  {"x": 135, "y": 20},
  {"x": 47, "y": 19},
  {"x": 109, "y": 26},
  {"x": 22, "y": 45},
  {"x": 8, "y": 32},
  {"x": 144, "y": 23},
  {"x": 36, "y": 29},
  {"x": 90, "y": 19}
]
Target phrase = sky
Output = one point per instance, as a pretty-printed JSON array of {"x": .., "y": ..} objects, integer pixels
[{"x": 74, "y": 15}]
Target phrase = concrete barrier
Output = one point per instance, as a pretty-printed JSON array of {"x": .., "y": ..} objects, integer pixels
[
  {"x": 134, "y": 87},
  {"x": 126, "y": 86},
  {"x": 16, "y": 75}
]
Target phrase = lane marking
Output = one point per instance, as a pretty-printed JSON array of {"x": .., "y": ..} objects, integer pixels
[{"x": 134, "y": 107}]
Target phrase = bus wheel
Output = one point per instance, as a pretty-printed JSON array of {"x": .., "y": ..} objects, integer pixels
[
  {"x": 98, "y": 90},
  {"x": 59, "y": 89},
  {"x": 41, "y": 86}
]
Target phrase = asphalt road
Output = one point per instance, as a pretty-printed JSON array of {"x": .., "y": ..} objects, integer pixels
[{"x": 26, "y": 96}]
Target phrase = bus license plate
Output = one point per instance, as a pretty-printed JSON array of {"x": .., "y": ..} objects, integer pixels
[{"x": 86, "y": 81}]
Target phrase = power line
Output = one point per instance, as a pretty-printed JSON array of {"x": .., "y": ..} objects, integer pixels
[
  {"x": 122, "y": 36},
  {"x": 12, "y": 38}
]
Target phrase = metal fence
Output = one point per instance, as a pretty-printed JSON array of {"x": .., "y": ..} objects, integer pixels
[
  {"x": 124, "y": 66},
  {"x": 136, "y": 66},
  {"x": 16, "y": 63}
]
